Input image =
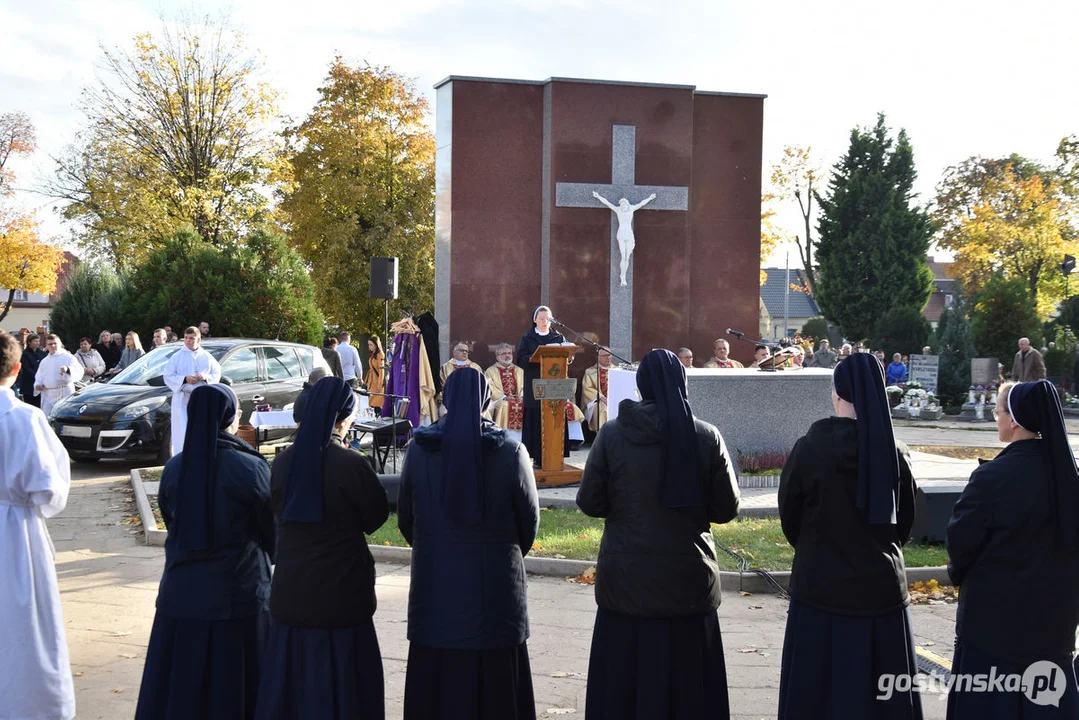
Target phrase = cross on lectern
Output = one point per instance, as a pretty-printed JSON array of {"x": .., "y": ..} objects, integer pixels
[{"x": 622, "y": 185}]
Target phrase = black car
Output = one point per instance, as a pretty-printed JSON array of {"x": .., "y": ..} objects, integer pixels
[{"x": 128, "y": 416}]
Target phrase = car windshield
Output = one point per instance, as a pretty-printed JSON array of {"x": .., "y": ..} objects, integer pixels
[{"x": 150, "y": 368}]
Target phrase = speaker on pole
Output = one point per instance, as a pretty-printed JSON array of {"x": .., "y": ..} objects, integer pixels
[{"x": 384, "y": 278}]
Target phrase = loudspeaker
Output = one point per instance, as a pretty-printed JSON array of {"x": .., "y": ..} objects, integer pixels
[{"x": 384, "y": 278}]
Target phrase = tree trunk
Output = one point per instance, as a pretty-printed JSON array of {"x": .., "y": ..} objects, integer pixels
[{"x": 7, "y": 305}]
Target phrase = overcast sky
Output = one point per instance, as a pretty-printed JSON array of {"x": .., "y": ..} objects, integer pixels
[{"x": 963, "y": 77}]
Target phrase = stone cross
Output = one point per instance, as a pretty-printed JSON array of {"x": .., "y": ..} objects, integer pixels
[{"x": 623, "y": 172}]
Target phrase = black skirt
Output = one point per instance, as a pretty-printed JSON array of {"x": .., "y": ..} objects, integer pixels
[
  {"x": 443, "y": 684},
  {"x": 532, "y": 435},
  {"x": 832, "y": 666},
  {"x": 656, "y": 669},
  {"x": 202, "y": 668},
  {"x": 324, "y": 673},
  {"x": 1009, "y": 704}
]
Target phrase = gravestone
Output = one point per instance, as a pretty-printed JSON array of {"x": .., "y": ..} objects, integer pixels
[
  {"x": 924, "y": 370},
  {"x": 983, "y": 371},
  {"x": 527, "y": 174}
]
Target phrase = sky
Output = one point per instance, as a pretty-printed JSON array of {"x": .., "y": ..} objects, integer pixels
[{"x": 962, "y": 77}]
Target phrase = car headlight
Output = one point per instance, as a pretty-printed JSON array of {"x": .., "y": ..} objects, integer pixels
[{"x": 137, "y": 410}]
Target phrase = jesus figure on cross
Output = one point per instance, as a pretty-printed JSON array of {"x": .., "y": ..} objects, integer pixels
[{"x": 625, "y": 238}]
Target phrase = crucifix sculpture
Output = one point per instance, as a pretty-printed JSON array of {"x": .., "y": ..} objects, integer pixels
[{"x": 623, "y": 185}]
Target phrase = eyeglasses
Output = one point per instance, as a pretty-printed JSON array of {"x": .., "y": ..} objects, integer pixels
[{"x": 998, "y": 413}]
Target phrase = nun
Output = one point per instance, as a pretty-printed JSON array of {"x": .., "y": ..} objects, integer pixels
[
  {"x": 322, "y": 656},
  {"x": 540, "y": 334},
  {"x": 659, "y": 477},
  {"x": 846, "y": 504},
  {"x": 1012, "y": 542},
  {"x": 212, "y": 617},
  {"x": 468, "y": 506}
]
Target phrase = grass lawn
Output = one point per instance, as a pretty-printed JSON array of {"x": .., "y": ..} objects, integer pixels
[
  {"x": 573, "y": 535},
  {"x": 962, "y": 453}
]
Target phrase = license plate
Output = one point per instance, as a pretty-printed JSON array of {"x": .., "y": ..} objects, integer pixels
[{"x": 79, "y": 431}]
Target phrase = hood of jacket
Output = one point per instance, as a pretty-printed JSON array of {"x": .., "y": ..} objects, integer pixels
[{"x": 639, "y": 421}]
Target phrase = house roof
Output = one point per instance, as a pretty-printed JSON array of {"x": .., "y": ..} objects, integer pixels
[
  {"x": 775, "y": 288},
  {"x": 942, "y": 280}
]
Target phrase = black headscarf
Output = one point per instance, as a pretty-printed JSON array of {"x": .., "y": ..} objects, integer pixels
[
  {"x": 330, "y": 401},
  {"x": 859, "y": 379},
  {"x": 465, "y": 395},
  {"x": 210, "y": 411},
  {"x": 661, "y": 378},
  {"x": 1035, "y": 406}
]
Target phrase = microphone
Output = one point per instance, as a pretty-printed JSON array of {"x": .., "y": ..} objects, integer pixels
[
  {"x": 555, "y": 322},
  {"x": 365, "y": 393},
  {"x": 737, "y": 334}
]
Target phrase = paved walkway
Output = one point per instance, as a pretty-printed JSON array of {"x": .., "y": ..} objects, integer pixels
[{"x": 108, "y": 583}]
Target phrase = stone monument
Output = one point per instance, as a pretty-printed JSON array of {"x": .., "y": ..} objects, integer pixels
[{"x": 532, "y": 177}]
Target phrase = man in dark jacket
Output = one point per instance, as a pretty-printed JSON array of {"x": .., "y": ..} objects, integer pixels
[
  {"x": 31, "y": 358},
  {"x": 333, "y": 358}
]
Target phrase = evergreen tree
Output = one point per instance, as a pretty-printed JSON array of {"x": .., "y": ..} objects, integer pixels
[
  {"x": 903, "y": 329},
  {"x": 872, "y": 245},
  {"x": 955, "y": 346},
  {"x": 1001, "y": 315}
]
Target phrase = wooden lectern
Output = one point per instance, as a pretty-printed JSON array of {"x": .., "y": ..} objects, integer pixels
[{"x": 553, "y": 388}]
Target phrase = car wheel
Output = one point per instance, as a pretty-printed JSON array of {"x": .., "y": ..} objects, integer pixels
[
  {"x": 165, "y": 450},
  {"x": 87, "y": 460}
]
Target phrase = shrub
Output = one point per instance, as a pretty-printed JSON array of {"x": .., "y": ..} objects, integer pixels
[
  {"x": 93, "y": 300},
  {"x": 902, "y": 330},
  {"x": 761, "y": 463},
  {"x": 1002, "y": 314}
]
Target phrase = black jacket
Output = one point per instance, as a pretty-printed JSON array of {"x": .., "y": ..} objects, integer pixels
[
  {"x": 834, "y": 546},
  {"x": 654, "y": 562},
  {"x": 1018, "y": 597},
  {"x": 31, "y": 359},
  {"x": 333, "y": 359},
  {"x": 325, "y": 575},
  {"x": 468, "y": 588},
  {"x": 231, "y": 580},
  {"x": 110, "y": 353}
]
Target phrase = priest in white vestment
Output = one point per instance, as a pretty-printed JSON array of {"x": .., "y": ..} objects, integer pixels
[
  {"x": 594, "y": 391},
  {"x": 35, "y": 475},
  {"x": 507, "y": 382},
  {"x": 188, "y": 367},
  {"x": 56, "y": 375}
]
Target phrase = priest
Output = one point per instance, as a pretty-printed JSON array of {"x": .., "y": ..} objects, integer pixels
[
  {"x": 35, "y": 476},
  {"x": 594, "y": 391},
  {"x": 460, "y": 360},
  {"x": 188, "y": 367},
  {"x": 506, "y": 381},
  {"x": 56, "y": 375}
]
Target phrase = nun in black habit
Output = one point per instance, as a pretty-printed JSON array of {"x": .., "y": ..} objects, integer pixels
[
  {"x": 212, "y": 616},
  {"x": 468, "y": 506},
  {"x": 322, "y": 656},
  {"x": 540, "y": 334},
  {"x": 659, "y": 477},
  {"x": 1012, "y": 543},
  {"x": 846, "y": 503}
]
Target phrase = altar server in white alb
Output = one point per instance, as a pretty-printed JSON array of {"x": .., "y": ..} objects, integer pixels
[
  {"x": 35, "y": 674},
  {"x": 189, "y": 367},
  {"x": 56, "y": 375}
]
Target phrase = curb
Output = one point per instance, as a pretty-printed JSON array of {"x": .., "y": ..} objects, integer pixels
[
  {"x": 730, "y": 581},
  {"x": 146, "y": 515}
]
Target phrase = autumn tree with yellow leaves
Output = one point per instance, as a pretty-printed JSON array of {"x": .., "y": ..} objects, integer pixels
[
  {"x": 178, "y": 132},
  {"x": 796, "y": 176},
  {"x": 1007, "y": 218},
  {"x": 26, "y": 262},
  {"x": 364, "y": 173}
]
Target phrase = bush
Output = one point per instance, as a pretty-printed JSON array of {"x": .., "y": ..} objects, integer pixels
[
  {"x": 762, "y": 463},
  {"x": 816, "y": 328},
  {"x": 93, "y": 300},
  {"x": 1060, "y": 359},
  {"x": 259, "y": 290},
  {"x": 902, "y": 330},
  {"x": 1002, "y": 314}
]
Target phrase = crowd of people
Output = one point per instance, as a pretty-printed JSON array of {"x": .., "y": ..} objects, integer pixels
[{"x": 232, "y": 639}]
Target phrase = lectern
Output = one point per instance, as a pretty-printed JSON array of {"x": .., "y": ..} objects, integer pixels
[{"x": 553, "y": 388}]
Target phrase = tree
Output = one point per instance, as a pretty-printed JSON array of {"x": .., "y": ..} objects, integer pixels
[
  {"x": 26, "y": 262},
  {"x": 871, "y": 252},
  {"x": 903, "y": 329},
  {"x": 92, "y": 301},
  {"x": 816, "y": 328},
  {"x": 259, "y": 290},
  {"x": 795, "y": 175},
  {"x": 1007, "y": 217},
  {"x": 955, "y": 346},
  {"x": 176, "y": 133},
  {"x": 364, "y": 187},
  {"x": 770, "y": 235},
  {"x": 1002, "y": 314}
]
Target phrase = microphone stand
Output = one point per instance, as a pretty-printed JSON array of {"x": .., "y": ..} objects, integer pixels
[
  {"x": 770, "y": 345},
  {"x": 591, "y": 342},
  {"x": 393, "y": 423}
]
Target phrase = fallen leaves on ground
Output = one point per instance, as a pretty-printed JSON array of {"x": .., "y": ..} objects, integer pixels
[
  {"x": 78, "y": 674},
  {"x": 932, "y": 593},
  {"x": 588, "y": 577},
  {"x": 962, "y": 453},
  {"x": 117, "y": 691},
  {"x": 743, "y": 593},
  {"x": 536, "y": 546},
  {"x": 561, "y": 711}
]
